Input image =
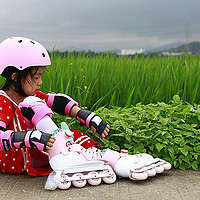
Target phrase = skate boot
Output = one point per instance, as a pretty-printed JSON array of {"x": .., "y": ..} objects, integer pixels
[
  {"x": 135, "y": 167},
  {"x": 73, "y": 164},
  {"x": 139, "y": 166}
]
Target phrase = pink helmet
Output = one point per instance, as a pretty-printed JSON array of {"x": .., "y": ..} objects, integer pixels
[{"x": 21, "y": 53}]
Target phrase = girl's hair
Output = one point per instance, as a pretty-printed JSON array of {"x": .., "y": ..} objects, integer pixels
[{"x": 21, "y": 75}]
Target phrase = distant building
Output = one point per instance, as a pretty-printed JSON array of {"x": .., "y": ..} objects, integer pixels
[
  {"x": 131, "y": 51},
  {"x": 167, "y": 53}
]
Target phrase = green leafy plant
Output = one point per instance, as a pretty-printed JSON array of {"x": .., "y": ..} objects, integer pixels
[{"x": 169, "y": 131}]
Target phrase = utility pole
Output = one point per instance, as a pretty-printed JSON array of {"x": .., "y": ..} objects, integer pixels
[{"x": 187, "y": 37}]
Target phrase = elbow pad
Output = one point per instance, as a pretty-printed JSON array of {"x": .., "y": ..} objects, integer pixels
[
  {"x": 34, "y": 109},
  {"x": 91, "y": 119},
  {"x": 61, "y": 103}
]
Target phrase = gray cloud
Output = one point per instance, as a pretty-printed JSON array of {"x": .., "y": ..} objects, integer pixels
[{"x": 101, "y": 25}]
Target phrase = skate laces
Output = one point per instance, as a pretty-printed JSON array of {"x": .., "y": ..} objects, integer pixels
[
  {"x": 68, "y": 133},
  {"x": 96, "y": 152},
  {"x": 55, "y": 131}
]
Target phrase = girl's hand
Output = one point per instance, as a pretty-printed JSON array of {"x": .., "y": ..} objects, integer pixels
[
  {"x": 50, "y": 143},
  {"x": 105, "y": 132}
]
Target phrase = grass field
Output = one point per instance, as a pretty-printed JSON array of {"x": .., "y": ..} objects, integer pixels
[
  {"x": 107, "y": 80},
  {"x": 122, "y": 81}
]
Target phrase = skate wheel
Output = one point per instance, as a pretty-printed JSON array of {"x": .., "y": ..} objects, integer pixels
[
  {"x": 80, "y": 182},
  {"x": 139, "y": 175},
  {"x": 64, "y": 185},
  {"x": 151, "y": 172},
  {"x": 94, "y": 181},
  {"x": 109, "y": 179},
  {"x": 167, "y": 166},
  {"x": 159, "y": 169}
]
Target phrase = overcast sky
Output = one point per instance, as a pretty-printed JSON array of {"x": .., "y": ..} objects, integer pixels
[{"x": 101, "y": 24}]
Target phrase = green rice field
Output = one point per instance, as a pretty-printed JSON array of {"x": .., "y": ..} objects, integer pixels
[
  {"x": 121, "y": 81},
  {"x": 107, "y": 80}
]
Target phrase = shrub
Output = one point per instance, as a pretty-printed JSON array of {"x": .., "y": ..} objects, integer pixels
[{"x": 169, "y": 131}]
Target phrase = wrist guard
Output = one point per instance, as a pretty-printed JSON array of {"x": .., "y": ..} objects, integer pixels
[
  {"x": 91, "y": 119},
  {"x": 31, "y": 139}
]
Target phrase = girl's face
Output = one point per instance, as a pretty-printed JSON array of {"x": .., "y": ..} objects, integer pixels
[{"x": 32, "y": 84}]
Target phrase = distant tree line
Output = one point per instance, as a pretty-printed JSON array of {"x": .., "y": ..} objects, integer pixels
[{"x": 193, "y": 48}]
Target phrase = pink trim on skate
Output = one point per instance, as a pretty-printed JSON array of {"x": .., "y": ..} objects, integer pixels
[
  {"x": 3, "y": 124},
  {"x": 111, "y": 157},
  {"x": 89, "y": 118},
  {"x": 59, "y": 144},
  {"x": 26, "y": 139}
]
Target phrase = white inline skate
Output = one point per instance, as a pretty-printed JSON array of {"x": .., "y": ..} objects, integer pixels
[
  {"x": 73, "y": 164},
  {"x": 139, "y": 166}
]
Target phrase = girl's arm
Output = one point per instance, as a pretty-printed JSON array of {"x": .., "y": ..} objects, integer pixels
[
  {"x": 65, "y": 105},
  {"x": 91, "y": 120},
  {"x": 10, "y": 140}
]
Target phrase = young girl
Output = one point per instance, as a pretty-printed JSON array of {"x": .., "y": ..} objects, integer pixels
[{"x": 27, "y": 131}]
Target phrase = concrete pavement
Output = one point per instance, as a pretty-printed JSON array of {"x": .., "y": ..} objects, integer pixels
[{"x": 171, "y": 185}]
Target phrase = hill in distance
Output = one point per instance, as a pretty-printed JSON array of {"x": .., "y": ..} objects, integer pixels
[{"x": 193, "y": 47}]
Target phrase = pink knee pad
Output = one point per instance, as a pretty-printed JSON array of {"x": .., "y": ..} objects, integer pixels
[{"x": 34, "y": 109}]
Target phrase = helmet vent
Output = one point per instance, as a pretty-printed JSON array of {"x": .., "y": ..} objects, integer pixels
[
  {"x": 32, "y": 42},
  {"x": 20, "y": 41},
  {"x": 43, "y": 54}
]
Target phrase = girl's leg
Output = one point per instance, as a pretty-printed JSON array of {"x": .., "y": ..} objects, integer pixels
[
  {"x": 65, "y": 157},
  {"x": 65, "y": 154}
]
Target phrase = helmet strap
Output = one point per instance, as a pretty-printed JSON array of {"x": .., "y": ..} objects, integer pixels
[{"x": 17, "y": 86}]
